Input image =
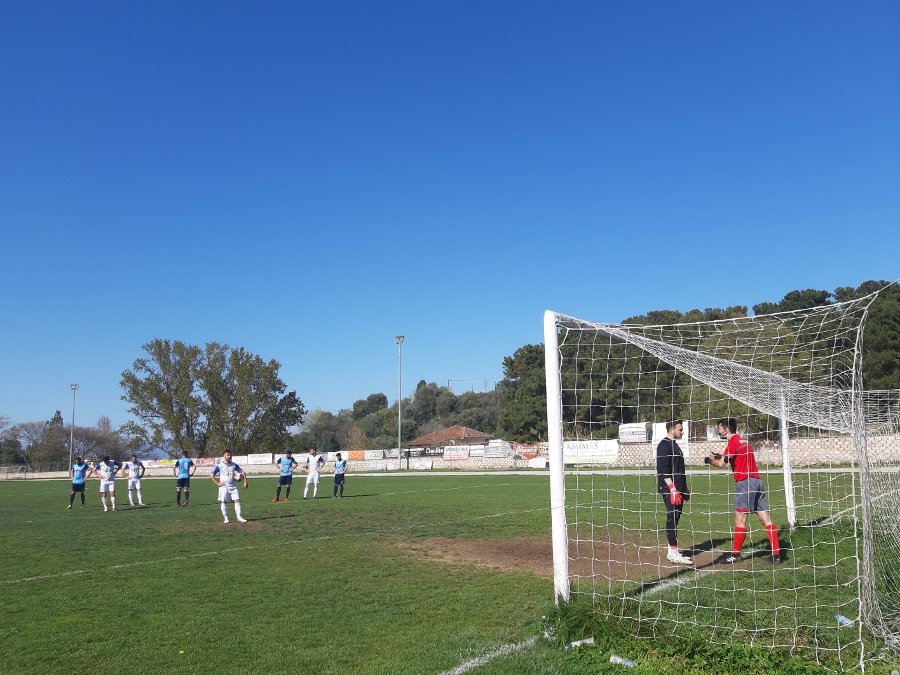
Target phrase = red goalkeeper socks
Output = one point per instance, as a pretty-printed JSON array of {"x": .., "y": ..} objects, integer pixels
[
  {"x": 740, "y": 534},
  {"x": 772, "y": 534}
]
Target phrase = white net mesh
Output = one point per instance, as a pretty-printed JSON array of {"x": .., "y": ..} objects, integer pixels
[{"x": 827, "y": 454}]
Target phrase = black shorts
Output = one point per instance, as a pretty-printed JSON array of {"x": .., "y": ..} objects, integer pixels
[
  {"x": 183, "y": 482},
  {"x": 77, "y": 487},
  {"x": 338, "y": 479},
  {"x": 285, "y": 480}
]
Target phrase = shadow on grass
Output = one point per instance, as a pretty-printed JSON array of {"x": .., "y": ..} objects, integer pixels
[
  {"x": 706, "y": 546},
  {"x": 125, "y": 509}
]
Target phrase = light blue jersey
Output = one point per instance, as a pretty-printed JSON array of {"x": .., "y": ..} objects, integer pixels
[
  {"x": 79, "y": 473},
  {"x": 340, "y": 466},
  {"x": 287, "y": 465},
  {"x": 184, "y": 467}
]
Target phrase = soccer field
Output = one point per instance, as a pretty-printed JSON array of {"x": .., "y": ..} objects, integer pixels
[
  {"x": 411, "y": 574},
  {"x": 405, "y": 574}
]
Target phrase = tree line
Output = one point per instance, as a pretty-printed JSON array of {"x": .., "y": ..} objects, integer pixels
[
  {"x": 45, "y": 444},
  {"x": 522, "y": 393},
  {"x": 204, "y": 399}
]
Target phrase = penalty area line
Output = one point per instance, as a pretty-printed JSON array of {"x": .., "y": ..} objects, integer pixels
[
  {"x": 505, "y": 650},
  {"x": 119, "y": 566}
]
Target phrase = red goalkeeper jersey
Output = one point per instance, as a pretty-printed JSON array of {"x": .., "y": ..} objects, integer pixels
[{"x": 739, "y": 454}]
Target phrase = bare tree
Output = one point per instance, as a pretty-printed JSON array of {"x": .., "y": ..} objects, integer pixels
[
  {"x": 44, "y": 443},
  {"x": 10, "y": 446}
]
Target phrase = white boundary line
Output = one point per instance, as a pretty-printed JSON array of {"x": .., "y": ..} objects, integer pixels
[
  {"x": 505, "y": 650},
  {"x": 691, "y": 575},
  {"x": 679, "y": 580},
  {"x": 833, "y": 518}
]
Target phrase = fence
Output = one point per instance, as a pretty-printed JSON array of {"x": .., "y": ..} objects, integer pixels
[
  {"x": 804, "y": 452},
  {"x": 16, "y": 471}
]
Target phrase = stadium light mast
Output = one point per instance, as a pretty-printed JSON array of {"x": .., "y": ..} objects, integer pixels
[
  {"x": 74, "y": 388},
  {"x": 399, "y": 340}
]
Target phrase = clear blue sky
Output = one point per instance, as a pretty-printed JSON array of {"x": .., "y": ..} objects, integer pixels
[{"x": 310, "y": 179}]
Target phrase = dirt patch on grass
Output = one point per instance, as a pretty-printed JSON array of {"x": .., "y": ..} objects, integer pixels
[
  {"x": 531, "y": 556},
  {"x": 614, "y": 559},
  {"x": 619, "y": 557}
]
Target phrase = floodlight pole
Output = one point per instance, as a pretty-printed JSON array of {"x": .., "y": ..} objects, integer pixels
[
  {"x": 399, "y": 340},
  {"x": 74, "y": 388}
]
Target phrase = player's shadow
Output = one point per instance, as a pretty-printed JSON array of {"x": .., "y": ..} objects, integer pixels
[
  {"x": 167, "y": 505},
  {"x": 706, "y": 546},
  {"x": 353, "y": 496},
  {"x": 278, "y": 516},
  {"x": 709, "y": 546}
]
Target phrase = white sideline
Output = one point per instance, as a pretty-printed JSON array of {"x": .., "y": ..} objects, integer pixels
[
  {"x": 832, "y": 519},
  {"x": 682, "y": 579},
  {"x": 70, "y": 573},
  {"x": 472, "y": 664}
]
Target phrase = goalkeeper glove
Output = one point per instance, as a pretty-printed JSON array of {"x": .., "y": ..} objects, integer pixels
[{"x": 674, "y": 496}]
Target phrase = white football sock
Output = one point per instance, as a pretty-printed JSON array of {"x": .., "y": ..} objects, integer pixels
[
  {"x": 237, "y": 509},
  {"x": 224, "y": 510},
  {"x": 103, "y": 499}
]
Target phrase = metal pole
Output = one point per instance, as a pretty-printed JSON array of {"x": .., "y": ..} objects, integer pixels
[
  {"x": 559, "y": 528},
  {"x": 786, "y": 466},
  {"x": 399, "y": 341},
  {"x": 74, "y": 388}
]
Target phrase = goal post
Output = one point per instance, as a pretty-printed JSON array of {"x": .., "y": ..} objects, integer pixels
[
  {"x": 557, "y": 475},
  {"x": 790, "y": 504},
  {"x": 828, "y": 455}
]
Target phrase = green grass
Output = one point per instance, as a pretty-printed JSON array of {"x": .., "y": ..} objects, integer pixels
[
  {"x": 337, "y": 585},
  {"x": 314, "y": 586}
]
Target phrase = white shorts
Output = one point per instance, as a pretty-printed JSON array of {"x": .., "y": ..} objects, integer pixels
[
  {"x": 134, "y": 483},
  {"x": 229, "y": 494},
  {"x": 312, "y": 478},
  {"x": 107, "y": 485}
]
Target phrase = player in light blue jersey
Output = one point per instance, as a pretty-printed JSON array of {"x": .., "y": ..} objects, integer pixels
[
  {"x": 340, "y": 469},
  {"x": 287, "y": 464},
  {"x": 226, "y": 476},
  {"x": 183, "y": 470},
  {"x": 80, "y": 473}
]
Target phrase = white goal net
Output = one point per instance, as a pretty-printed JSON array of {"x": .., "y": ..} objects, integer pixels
[{"x": 827, "y": 454}]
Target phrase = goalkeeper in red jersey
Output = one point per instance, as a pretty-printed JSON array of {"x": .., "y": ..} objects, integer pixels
[{"x": 749, "y": 494}]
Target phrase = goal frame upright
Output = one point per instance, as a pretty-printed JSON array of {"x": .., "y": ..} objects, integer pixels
[{"x": 560, "y": 535}]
